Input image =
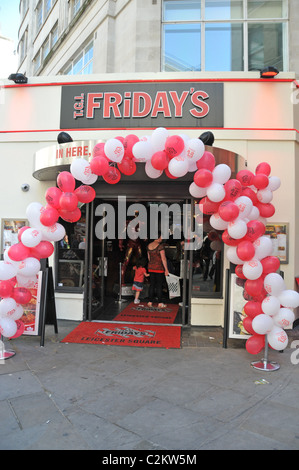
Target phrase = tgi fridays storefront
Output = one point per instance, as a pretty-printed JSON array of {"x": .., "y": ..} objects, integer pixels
[{"x": 252, "y": 120}]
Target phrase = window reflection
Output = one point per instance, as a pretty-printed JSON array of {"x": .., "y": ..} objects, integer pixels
[
  {"x": 223, "y": 9},
  {"x": 182, "y": 47},
  {"x": 70, "y": 254},
  {"x": 227, "y": 40}
]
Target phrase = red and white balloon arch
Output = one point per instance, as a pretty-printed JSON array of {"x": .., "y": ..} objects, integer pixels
[{"x": 237, "y": 210}]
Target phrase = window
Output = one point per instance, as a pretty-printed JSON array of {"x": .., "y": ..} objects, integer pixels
[
  {"x": 83, "y": 62},
  {"x": 42, "y": 11},
  {"x": 46, "y": 48},
  {"x": 69, "y": 255},
  {"x": 224, "y": 35}
]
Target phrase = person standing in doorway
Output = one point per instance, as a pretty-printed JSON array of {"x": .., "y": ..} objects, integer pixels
[
  {"x": 157, "y": 268},
  {"x": 140, "y": 272}
]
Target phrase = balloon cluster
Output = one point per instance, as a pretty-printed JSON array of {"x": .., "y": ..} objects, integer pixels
[{"x": 237, "y": 208}]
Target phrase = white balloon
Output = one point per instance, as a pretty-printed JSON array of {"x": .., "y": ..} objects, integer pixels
[
  {"x": 196, "y": 191},
  {"x": 151, "y": 171},
  {"x": 33, "y": 213},
  {"x": 158, "y": 138},
  {"x": 245, "y": 205},
  {"x": 277, "y": 338},
  {"x": 232, "y": 256},
  {"x": 274, "y": 183},
  {"x": 263, "y": 247},
  {"x": 29, "y": 267},
  {"x": 7, "y": 270},
  {"x": 54, "y": 233},
  {"x": 192, "y": 166},
  {"x": 270, "y": 305},
  {"x": 284, "y": 318},
  {"x": 237, "y": 228},
  {"x": 178, "y": 166},
  {"x": 90, "y": 179},
  {"x": 289, "y": 298},
  {"x": 80, "y": 168},
  {"x": 194, "y": 150},
  {"x": 7, "y": 307},
  {"x": 252, "y": 269},
  {"x": 216, "y": 192},
  {"x": 262, "y": 324},
  {"x": 143, "y": 151},
  {"x": 114, "y": 150},
  {"x": 254, "y": 213},
  {"x": 8, "y": 327},
  {"x": 27, "y": 281},
  {"x": 264, "y": 195},
  {"x": 221, "y": 173},
  {"x": 274, "y": 284},
  {"x": 31, "y": 237},
  {"x": 18, "y": 313},
  {"x": 217, "y": 223}
]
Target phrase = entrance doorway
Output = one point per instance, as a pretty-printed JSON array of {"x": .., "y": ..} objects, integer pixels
[{"x": 119, "y": 232}]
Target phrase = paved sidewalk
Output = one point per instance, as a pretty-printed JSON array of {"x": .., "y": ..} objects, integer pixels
[{"x": 92, "y": 397}]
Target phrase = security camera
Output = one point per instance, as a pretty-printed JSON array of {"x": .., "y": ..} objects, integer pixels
[{"x": 25, "y": 187}]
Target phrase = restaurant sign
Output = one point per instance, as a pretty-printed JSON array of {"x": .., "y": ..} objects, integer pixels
[{"x": 121, "y": 105}]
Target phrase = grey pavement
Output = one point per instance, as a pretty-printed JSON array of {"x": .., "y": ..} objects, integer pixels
[{"x": 67, "y": 396}]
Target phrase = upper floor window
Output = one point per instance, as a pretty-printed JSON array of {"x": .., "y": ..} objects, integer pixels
[
  {"x": 82, "y": 64},
  {"x": 224, "y": 35},
  {"x": 42, "y": 11}
]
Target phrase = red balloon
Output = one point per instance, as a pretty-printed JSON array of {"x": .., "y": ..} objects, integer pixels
[
  {"x": 247, "y": 323},
  {"x": 251, "y": 194},
  {"x": 203, "y": 178},
  {"x": 85, "y": 193},
  {"x": 21, "y": 295},
  {"x": 264, "y": 168},
  {"x": 207, "y": 161},
  {"x": 66, "y": 182},
  {"x": 6, "y": 289},
  {"x": 159, "y": 160},
  {"x": 18, "y": 252},
  {"x": 68, "y": 201},
  {"x": 43, "y": 250},
  {"x": 49, "y": 216},
  {"x": 245, "y": 250},
  {"x": 255, "y": 344},
  {"x": 99, "y": 165},
  {"x": 270, "y": 264},
  {"x": 245, "y": 177},
  {"x": 20, "y": 329},
  {"x": 253, "y": 308},
  {"x": 52, "y": 196},
  {"x": 239, "y": 271},
  {"x": 20, "y": 231},
  {"x": 127, "y": 166},
  {"x": 174, "y": 145},
  {"x": 228, "y": 211},
  {"x": 255, "y": 229},
  {"x": 112, "y": 176},
  {"x": 70, "y": 216},
  {"x": 260, "y": 181},
  {"x": 233, "y": 189},
  {"x": 266, "y": 209},
  {"x": 128, "y": 143},
  {"x": 255, "y": 287},
  {"x": 208, "y": 207},
  {"x": 98, "y": 150}
]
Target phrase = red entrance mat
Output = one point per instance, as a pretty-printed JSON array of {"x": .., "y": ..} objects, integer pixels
[
  {"x": 120, "y": 334},
  {"x": 141, "y": 313}
]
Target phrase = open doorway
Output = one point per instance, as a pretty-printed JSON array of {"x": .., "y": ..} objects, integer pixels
[{"x": 114, "y": 250}]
